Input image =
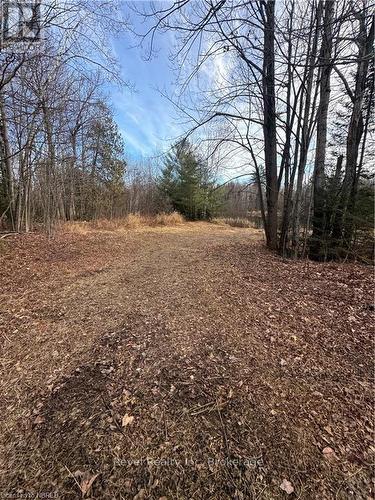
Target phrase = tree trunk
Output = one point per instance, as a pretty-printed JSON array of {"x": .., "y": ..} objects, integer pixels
[
  {"x": 343, "y": 226},
  {"x": 286, "y": 159},
  {"x": 72, "y": 207},
  {"x": 317, "y": 248},
  {"x": 269, "y": 125},
  {"x": 307, "y": 120},
  {"x": 6, "y": 168},
  {"x": 49, "y": 169}
]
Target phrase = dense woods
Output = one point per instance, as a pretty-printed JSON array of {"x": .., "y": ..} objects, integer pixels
[{"x": 290, "y": 107}]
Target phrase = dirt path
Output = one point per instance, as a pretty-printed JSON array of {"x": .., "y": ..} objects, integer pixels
[{"x": 182, "y": 362}]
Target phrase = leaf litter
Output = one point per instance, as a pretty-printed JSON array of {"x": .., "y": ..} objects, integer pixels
[{"x": 180, "y": 364}]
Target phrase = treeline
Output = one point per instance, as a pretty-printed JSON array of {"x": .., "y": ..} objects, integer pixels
[
  {"x": 188, "y": 183},
  {"x": 183, "y": 180},
  {"x": 279, "y": 93},
  {"x": 62, "y": 156},
  {"x": 61, "y": 153},
  {"x": 67, "y": 149},
  {"x": 288, "y": 85}
]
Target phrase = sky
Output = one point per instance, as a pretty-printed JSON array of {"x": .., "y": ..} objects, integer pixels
[{"x": 148, "y": 121}]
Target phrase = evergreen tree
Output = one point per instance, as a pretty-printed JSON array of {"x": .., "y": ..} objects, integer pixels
[
  {"x": 108, "y": 165},
  {"x": 167, "y": 183},
  {"x": 187, "y": 183}
]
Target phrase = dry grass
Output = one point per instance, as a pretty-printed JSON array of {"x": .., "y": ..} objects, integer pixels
[
  {"x": 172, "y": 219},
  {"x": 254, "y": 221},
  {"x": 131, "y": 221},
  {"x": 233, "y": 222}
]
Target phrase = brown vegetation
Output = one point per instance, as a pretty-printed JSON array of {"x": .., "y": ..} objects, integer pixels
[
  {"x": 131, "y": 221},
  {"x": 182, "y": 362},
  {"x": 233, "y": 221}
]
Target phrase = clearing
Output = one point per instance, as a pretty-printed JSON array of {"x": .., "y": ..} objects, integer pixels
[{"x": 182, "y": 362}]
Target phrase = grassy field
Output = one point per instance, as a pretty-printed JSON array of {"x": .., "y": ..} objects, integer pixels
[{"x": 182, "y": 361}]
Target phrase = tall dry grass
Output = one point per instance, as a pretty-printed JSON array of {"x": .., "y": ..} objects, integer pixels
[
  {"x": 172, "y": 219},
  {"x": 131, "y": 221},
  {"x": 233, "y": 221}
]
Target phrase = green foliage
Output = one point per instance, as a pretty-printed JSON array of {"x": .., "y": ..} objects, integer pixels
[
  {"x": 364, "y": 208},
  {"x": 187, "y": 183},
  {"x": 102, "y": 173},
  {"x": 108, "y": 150},
  {"x": 358, "y": 223}
]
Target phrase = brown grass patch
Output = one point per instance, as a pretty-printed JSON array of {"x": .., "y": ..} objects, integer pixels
[
  {"x": 131, "y": 221},
  {"x": 172, "y": 219},
  {"x": 234, "y": 222}
]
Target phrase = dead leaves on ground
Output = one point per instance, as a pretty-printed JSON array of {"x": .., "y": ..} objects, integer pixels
[
  {"x": 39, "y": 419},
  {"x": 127, "y": 420},
  {"x": 284, "y": 328},
  {"x": 84, "y": 481},
  {"x": 287, "y": 486},
  {"x": 329, "y": 453}
]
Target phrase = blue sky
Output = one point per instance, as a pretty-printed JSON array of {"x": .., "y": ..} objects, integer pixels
[
  {"x": 147, "y": 120},
  {"x": 149, "y": 123}
]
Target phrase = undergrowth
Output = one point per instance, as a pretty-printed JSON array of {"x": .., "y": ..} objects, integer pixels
[
  {"x": 233, "y": 221},
  {"x": 131, "y": 221}
]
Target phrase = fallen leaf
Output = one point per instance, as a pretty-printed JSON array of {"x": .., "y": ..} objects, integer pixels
[
  {"x": 86, "y": 482},
  {"x": 328, "y": 453},
  {"x": 287, "y": 486},
  {"x": 328, "y": 429},
  {"x": 39, "y": 420},
  {"x": 127, "y": 420},
  {"x": 140, "y": 495}
]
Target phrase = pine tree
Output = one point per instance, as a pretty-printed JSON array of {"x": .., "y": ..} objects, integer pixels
[
  {"x": 187, "y": 184},
  {"x": 167, "y": 182}
]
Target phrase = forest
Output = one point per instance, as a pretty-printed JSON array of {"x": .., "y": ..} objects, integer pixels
[{"x": 187, "y": 249}]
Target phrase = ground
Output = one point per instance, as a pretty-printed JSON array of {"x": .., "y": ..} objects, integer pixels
[{"x": 182, "y": 362}]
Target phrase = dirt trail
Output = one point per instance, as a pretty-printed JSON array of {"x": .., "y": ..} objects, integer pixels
[{"x": 182, "y": 362}]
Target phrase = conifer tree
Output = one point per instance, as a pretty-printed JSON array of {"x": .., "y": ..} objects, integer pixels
[{"x": 187, "y": 183}]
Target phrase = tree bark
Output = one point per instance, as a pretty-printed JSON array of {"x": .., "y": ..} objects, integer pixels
[
  {"x": 269, "y": 125},
  {"x": 317, "y": 250},
  {"x": 343, "y": 227},
  {"x": 307, "y": 120},
  {"x": 6, "y": 168}
]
